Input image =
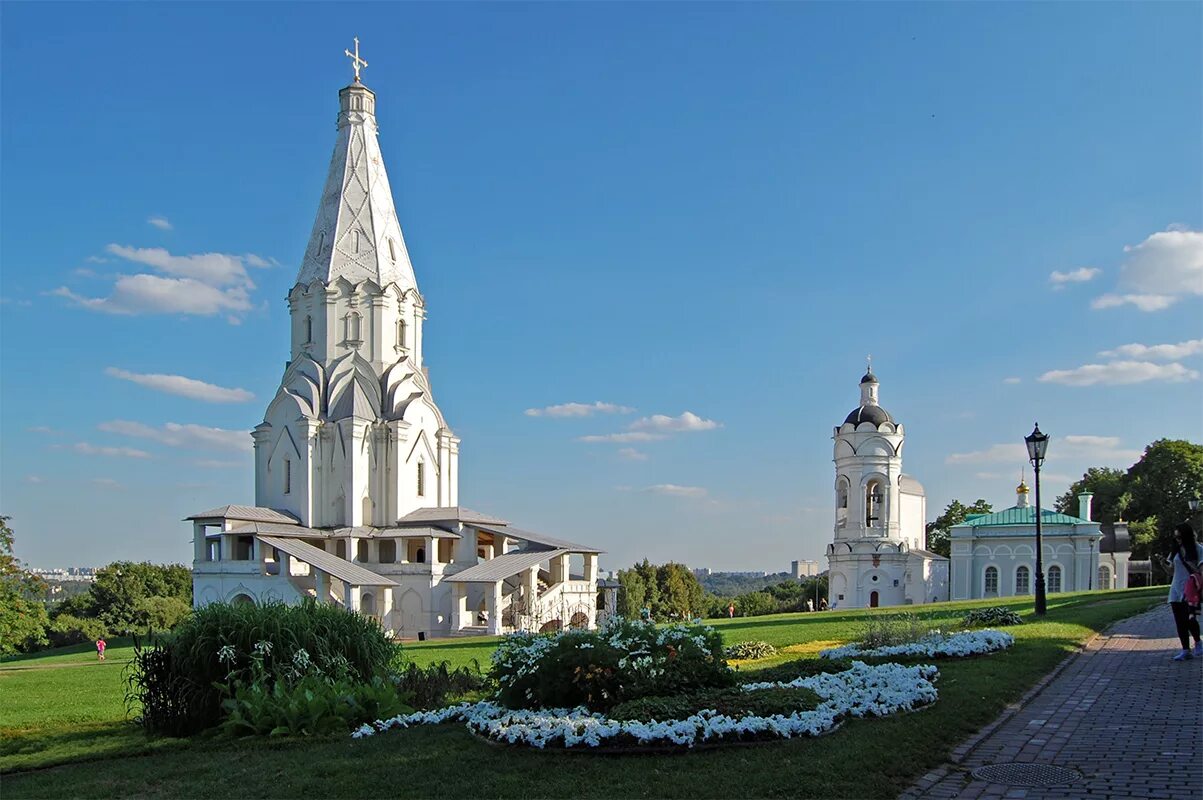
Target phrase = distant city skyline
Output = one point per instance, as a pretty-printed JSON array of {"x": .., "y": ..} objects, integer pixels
[{"x": 657, "y": 243}]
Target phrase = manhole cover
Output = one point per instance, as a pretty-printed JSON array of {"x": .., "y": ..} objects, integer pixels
[{"x": 1026, "y": 774}]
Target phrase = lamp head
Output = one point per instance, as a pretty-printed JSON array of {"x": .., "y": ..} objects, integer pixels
[
  {"x": 1193, "y": 503},
  {"x": 1037, "y": 443}
]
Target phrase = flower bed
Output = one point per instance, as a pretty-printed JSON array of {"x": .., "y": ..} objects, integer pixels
[
  {"x": 863, "y": 690},
  {"x": 994, "y": 615},
  {"x": 934, "y": 645}
]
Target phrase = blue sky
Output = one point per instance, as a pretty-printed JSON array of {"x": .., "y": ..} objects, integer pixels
[{"x": 716, "y": 209}]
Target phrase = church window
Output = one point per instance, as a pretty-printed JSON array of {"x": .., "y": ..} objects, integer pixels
[
  {"x": 1104, "y": 578},
  {"x": 392, "y": 250},
  {"x": 873, "y": 503},
  {"x": 991, "y": 589},
  {"x": 421, "y": 479},
  {"x": 1054, "y": 579},
  {"x": 401, "y": 333},
  {"x": 308, "y": 329},
  {"x": 1023, "y": 580},
  {"x": 351, "y": 327},
  {"x": 287, "y": 476},
  {"x": 321, "y": 242},
  {"x": 356, "y": 242}
]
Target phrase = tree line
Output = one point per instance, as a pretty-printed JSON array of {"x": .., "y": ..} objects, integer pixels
[
  {"x": 672, "y": 592},
  {"x": 126, "y": 597}
]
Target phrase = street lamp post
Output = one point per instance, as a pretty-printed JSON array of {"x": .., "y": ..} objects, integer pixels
[{"x": 1037, "y": 444}]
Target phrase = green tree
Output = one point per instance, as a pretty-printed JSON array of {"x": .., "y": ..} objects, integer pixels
[
  {"x": 680, "y": 593},
  {"x": 1110, "y": 489},
  {"x": 1162, "y": 482},
  {"x": 132, "y": 596},
  {"x": 939, "y": 530},
  {"x": 23, "y": 617}
]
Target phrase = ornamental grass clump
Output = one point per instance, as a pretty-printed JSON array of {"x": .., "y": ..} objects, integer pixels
[
  {"x": 889, "y": 630},
  {"x": 177, "y": 684},
  {"x": 624, "y": 660},
  {"x": 749, "y": 650},
  {"x": 992, "y": 616}
]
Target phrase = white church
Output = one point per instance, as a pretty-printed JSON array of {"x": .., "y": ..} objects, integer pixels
[
  {"x": 356, "y": 470},
  {"x": 877, "y": 557}
]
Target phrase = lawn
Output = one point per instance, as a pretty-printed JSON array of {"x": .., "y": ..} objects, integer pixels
[{"x": 447, "y": 761}]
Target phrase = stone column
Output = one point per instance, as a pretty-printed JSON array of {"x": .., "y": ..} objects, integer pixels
[
  {"x": 321, "y": 583},
  {"x": 200, "y": 545},
  {"x": 351, "y": 597},
  {"x": 385, "y": 606},
  {"x": 459, "y": 606},
  {"x": 493, "y": 604},
  {"x": 591, "y": 567}
]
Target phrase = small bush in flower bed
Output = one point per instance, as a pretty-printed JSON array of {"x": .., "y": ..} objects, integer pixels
[
  {"x": 732, "y": 702},
  {"x": 436, "y": 685},
  {"x": 994, "y": 615},
  {"x": 748, "y": 650},
  {"x": 624, "y": 660},
  {"x": 792, "y": 670}
]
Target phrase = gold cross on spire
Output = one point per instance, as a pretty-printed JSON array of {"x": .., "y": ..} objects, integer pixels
[{"x": 356, "y": 62}]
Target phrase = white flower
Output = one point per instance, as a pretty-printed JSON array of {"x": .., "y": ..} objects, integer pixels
[
  {"x": 935, "y": 644},
  {"x": 263, "y": 648},
  {"x": 226, "y": 654}
]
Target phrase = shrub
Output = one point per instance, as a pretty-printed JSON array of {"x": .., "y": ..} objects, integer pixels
[
  {"x": 892, "y": 629},
  {"x": 68, "y": 629},
  {"x": 732, "y": 702},
  {"x": 792, "y": 670},
  {"x": 432, "y": 687},
  {"x": 626, "y": 659},
  {"x": 992, "y": 616},
  {"x": 179, "y": 681},
  {"x": 310, "y": 706},
  {"x": 747, "y": 650}
]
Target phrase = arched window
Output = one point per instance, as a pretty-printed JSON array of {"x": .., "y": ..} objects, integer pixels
[
  {"x": 392, "y": 250},
  {"x": 367, "y": 604},
  {"x": 421, "y": 479},
  {"x": 991, "y": 582},
  {"x": 321, "y": 242},
  {"x": 308, "y": 330},
  {"x": 873, "y": 504},
  {"x": 355, "y": 239},
  {"x": 1054, "y": 579},
  {"x": 841, "y": 503},
  {"x": 420, "y": 556},
  {"x": 1023, "y": 580},
  {"x": 1104, "y": 577},
  {"x": 287, "y": 476},
  {"x": 401, "y": 331},
  {"x": 351, "y": 327}
]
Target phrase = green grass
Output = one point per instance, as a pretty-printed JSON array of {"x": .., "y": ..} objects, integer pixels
[{"x": 445, "y": 761}]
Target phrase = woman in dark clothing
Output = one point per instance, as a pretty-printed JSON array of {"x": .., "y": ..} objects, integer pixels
[{"x": 1185, "y": 560}]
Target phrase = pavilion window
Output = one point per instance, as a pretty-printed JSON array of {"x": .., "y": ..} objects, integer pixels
[
  {"x": 1023, "y": 580},
  {"x": 361, "y": 550},
  {"x": 388, "y": 551},
  {"x": 991, "y": 588},
  {"x": 1104, "y": 578},
  {"x": 287, "y": 476},
  {"x": 421, "y": 479},
  {"x": 1054, "y": 579}
]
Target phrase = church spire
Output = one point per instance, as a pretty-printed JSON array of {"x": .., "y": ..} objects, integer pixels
[{"x": 356, "y": 234}]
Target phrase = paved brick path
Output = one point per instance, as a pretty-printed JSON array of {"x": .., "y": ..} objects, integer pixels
[{"x": 1121, "y": 713}]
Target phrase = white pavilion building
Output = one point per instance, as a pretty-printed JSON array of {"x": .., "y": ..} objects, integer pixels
[{"x": 356, "y": 470}]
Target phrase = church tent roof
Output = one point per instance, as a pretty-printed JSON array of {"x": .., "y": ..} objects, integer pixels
[
  {"x": 340, "y": 568},
  {"x": 248, "y": 514},
  {"x": 502, "y": 567}
]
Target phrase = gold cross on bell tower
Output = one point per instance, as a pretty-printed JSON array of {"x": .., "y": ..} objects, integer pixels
[{"x": 356, "y": 62}]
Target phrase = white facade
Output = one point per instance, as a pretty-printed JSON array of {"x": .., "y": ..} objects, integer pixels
[
  {"x": 877, "y": 558},
  {"x": 994, "y": 555},
  {"x": 356, "y": 469}
]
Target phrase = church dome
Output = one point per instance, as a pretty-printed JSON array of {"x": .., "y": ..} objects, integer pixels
[
  {"x": 869, "y": 413},
  {"x": 869, "y": 377}
]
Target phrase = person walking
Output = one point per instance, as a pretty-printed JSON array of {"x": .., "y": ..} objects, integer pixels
[
  {"x": 1184, "y": 589},
  {"x": 101, "y": 644},
  {"x": 731, "y": 611}
]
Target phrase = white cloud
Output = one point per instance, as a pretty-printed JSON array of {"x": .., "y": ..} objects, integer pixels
[
  {"x": 631, "y": 454},
  {"x": 578, "y": 410},
  {"x": 162, "y": 223},
  {"x": 1120, "y": 373},
  {"x": 673, "y": 490},
  {"x": 630, "y": 436},
  {"x": 662, "y": 423},
  {"x": 84, "y": 272},
  {"x": 107, "y": 483},
  {"x": 95, "y": 450},
  {"x": 1071, "y": 447},
  {"x": 1157, "y": 352},
  {"x": 203, "y": 284},
  {"x": 1081, "y": 275},
  {"x": 188, "y": 436},
  {"x": 1159, "y": 271},
  {"x": 34, "y": 479},
  {"x": 97, "y": 260},
  {"x": 1012, "y": 380},
  {"x": 184, "y": 387}
]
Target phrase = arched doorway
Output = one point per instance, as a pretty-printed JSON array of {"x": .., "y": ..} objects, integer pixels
[
  {"x": 242, "y": 600},
  {"x": 873, "y": 599}
]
